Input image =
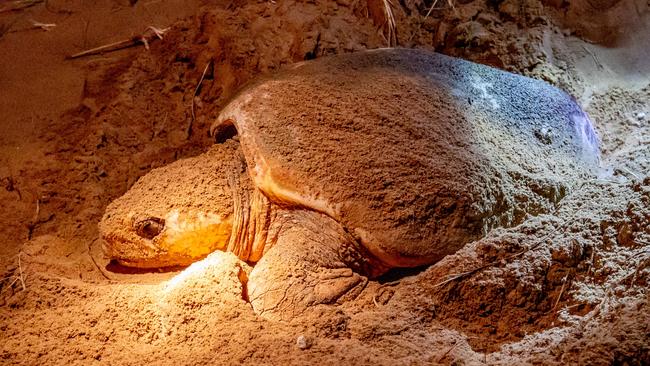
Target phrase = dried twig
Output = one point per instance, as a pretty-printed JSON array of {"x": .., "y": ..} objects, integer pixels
[
  {"x": 108, "y": 47},
  {"x": 38, "y": 210},
  {"x": 13, "y": 282},
  {"x": 188, "y": 130},
  {"x": 595, "y": 311},
  {"x": 148, "y": 35},
  {"x": 15, "y": 277},
  {"x": 608, "y": 181},
  {"x": 457, "y": 276},
  {"x": 435, "y": 2},
  {"x": 625, "y": 171},
  {"x": 448, "y": 351},
  {"x": 44, "y": 26},
  {"x": 596, "y": 61},
  {"x": 20, "y": 272},
  {"x": 559, "y": 296},
  {"x": 591, "y": 261},
  {"x": 433, "y": 6}
]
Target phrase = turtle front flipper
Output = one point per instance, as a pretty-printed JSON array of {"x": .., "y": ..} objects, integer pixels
[{"x": 312, "y": 261}]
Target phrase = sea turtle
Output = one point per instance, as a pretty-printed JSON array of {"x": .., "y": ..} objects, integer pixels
[{"x": 341, "y": 168}]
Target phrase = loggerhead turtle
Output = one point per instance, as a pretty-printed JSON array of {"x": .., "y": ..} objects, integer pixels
[{"x": 346, "y": 166}]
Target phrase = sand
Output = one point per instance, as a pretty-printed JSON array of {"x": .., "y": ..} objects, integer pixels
[{"x": 567, "y": 287}]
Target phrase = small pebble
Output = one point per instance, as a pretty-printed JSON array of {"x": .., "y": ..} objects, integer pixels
[
  {"x": 640, "y": 116},
  {"x": 302, "y": 342}
]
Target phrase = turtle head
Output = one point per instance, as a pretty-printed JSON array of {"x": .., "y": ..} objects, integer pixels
[{"x": 174, "y": 215}]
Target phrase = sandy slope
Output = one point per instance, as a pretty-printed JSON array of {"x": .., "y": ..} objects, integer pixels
[{"x": 76, "y": 134}]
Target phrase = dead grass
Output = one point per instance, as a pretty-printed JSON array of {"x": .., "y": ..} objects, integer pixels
[
  {"x": 389, "y": 24},
  {"x": 14, "y": 276}
]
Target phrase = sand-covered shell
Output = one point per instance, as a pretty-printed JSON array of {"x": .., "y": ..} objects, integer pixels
[{"x": 413, "y": 152}]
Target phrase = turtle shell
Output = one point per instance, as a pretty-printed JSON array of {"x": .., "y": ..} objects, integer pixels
[{"x": 413, "y": 152}]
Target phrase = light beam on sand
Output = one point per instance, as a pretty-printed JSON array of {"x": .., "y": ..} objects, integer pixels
[
  {"x": 165, "y": 303},
  {"x": 194, "y": 270},
  {"x": 585, "y": 129}
]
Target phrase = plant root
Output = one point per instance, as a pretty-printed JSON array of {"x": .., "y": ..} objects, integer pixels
[{"x": 15, "y": 277}]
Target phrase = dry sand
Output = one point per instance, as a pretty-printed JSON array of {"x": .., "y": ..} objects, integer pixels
[{"x": 569, "y": 287}]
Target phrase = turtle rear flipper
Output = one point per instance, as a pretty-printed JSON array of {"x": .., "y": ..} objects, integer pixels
[{"x": 312, "y": 261}]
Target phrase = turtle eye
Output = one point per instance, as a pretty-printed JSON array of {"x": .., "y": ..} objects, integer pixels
[{"x": 149, "y": 227}]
